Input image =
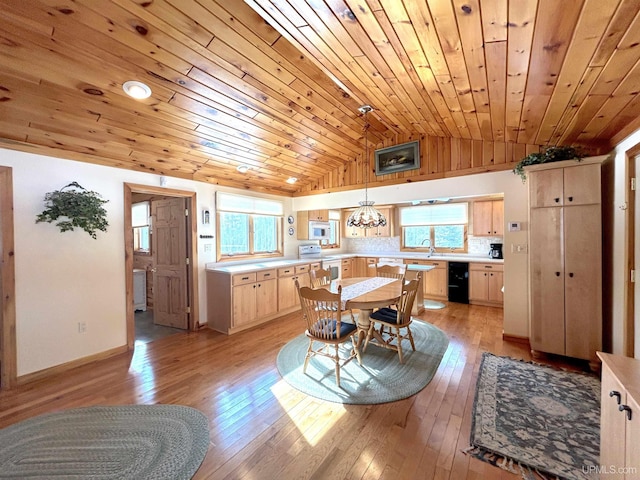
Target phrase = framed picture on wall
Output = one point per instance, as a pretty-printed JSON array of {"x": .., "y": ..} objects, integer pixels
[{"x": 398, "y": 158}]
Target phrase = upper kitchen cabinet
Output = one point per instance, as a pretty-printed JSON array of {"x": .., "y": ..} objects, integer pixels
[
  {"x": 488, "y": 218},
  {"x": 386, "y": 231},
  {"x": 306, "y": 216},
  {"x": 318, "y": 215}
]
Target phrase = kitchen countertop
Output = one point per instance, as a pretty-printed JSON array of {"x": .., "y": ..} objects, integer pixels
[{"x": 252, "y": 267}]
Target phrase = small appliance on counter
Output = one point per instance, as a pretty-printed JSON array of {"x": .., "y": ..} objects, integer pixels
[{"x": 496, "y": 250}]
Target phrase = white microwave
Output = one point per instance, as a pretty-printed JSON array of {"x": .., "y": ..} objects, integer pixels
[{"x": 319, "y": 230}]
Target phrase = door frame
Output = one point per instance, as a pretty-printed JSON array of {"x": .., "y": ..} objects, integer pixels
[
  {"x": 192, "y": 253},
  {"x": 9, "y": 356},
  {"x": 630, "y": 308}
]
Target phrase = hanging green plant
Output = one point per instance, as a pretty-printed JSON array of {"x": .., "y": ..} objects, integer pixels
[
  {"x": 81, "y": 207},
  {"x": 551, "y": 154}
]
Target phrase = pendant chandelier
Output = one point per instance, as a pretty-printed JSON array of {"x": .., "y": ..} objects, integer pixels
[{"x": 366, "y": 216}]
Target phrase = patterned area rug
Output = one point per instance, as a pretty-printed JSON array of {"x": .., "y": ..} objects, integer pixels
[
  {"x": 545, "y": 419},
  {"x": 380, "y": 379},
  {"x": 115, "y": 443}
]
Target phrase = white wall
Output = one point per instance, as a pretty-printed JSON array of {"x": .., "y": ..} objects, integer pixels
[
  {"x": 65, "y": 278},
  {"x": 516, "y": 209}
]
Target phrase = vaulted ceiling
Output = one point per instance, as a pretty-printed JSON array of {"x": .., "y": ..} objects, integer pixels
[{"x": 276, "y": 84}]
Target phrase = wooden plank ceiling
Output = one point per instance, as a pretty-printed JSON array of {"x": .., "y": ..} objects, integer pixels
[{"x": 276, "y": 84}]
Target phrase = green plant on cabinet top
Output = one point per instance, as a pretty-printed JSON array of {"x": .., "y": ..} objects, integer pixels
[{"x": 551, "y": 154}]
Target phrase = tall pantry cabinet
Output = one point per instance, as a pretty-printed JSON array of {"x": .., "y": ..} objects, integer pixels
[{"x": 565, "y": 258}]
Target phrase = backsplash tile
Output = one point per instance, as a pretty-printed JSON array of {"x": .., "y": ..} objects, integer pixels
[{"x": 478, "y": 246}]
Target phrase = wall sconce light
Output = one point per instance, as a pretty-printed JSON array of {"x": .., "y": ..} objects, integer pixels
[{"x": 206, "y": 219}]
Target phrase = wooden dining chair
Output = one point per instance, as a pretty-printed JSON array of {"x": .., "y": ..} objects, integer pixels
[
  {"x": 322, "y": 279},
  {"x": 390, "y": 271},
  {"x": 322, "y": 312},
  {"x": 319, "y": 278},
  {"x": 396, "y": 321}
]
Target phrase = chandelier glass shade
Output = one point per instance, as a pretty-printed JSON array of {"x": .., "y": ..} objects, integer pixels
[{"x": 366, "y": 216}]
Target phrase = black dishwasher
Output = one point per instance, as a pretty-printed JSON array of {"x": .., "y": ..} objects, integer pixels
[{"x": 459, "y": 282}]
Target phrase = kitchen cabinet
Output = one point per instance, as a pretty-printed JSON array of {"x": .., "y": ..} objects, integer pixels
[
  {"x": 347, "y": 268},
  {"x": 488, "y": 218},
  {"x": 287, "y": 294},
  {"x": 362, "y": 266},
  {"x": 241, "y": 300},
  {"x": 435, "y": 282},
  {"x": 485, "y": 284},
  {"x": 306, "y": 216},
  {"x": 620, "y": 429},
  {"x": 254, "y": 296},
  {"x": 386, "y": 231},
  {"x": 318, "y": 215},
  {"x": 565, "y": 259}
]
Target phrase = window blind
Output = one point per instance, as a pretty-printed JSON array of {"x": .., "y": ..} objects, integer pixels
[
  {"x": 448, "y": 214},
  {"x": 230, "y": 202}
]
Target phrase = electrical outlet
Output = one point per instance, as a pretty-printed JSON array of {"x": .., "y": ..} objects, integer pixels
[
  {"x": 207, "y": 247},
  {"x": 82, "y": 327}
]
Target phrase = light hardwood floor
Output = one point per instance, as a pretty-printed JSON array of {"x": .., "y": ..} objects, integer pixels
[{"x": 263, "y": 429}]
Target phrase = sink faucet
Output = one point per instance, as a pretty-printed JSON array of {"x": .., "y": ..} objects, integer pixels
[{"x": 431, "y": 249}]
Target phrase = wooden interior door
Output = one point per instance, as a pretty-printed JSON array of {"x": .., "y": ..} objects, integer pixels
[
  {"x": 546, "y": 248},
  {"x": 169, "y": 248}
]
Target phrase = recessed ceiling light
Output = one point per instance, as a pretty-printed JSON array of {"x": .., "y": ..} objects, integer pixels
[
  {"x": 244, "y": 168},
  {"x": 137, "y": 90},
  {"x": 292, "y": 180}
]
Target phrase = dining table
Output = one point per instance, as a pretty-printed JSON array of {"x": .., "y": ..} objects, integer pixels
[{"x": 367, "y": 294}]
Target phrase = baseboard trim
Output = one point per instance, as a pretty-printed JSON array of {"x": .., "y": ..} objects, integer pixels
[
  {"x": 47, "y": 372},
  {"x": 515, "y": 339}
]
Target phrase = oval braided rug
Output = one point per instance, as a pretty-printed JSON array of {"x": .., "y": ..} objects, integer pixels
[
  {"x": 115, "y": 442},
  {"x": 380, "y": 379}
]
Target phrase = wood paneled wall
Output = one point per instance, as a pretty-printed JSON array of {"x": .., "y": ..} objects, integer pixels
[{"x": 439, "y": 157}]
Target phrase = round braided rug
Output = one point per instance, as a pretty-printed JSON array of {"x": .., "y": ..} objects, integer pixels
[
  {"x": 380, "y": 379},
  {"x": 116, "y": 442}
]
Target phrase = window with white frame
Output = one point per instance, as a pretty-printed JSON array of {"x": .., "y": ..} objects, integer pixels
[
  {"x": 436, "y": 228},
  {"x": 248, "y": 226},
  {"x": 140, "y": 215}
]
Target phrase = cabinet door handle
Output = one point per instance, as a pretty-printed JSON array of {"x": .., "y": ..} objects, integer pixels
[
  {"x": 557, "y": 274},
  {"x": 626, "y": 408},
  {"x": 254, "y": 286},
  {"x": 614, "y": 393},
  {"x": 557, "y": 199},
  {"x": 245, "y": 278},
  {"x": 571, "y": 274},
  {"x": 570, "y": 199}
]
